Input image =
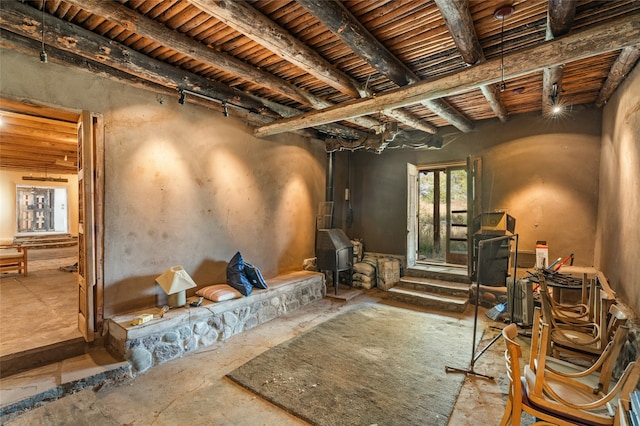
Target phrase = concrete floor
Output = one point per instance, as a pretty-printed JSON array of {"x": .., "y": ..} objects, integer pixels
[{"x": 194, "y": 389}]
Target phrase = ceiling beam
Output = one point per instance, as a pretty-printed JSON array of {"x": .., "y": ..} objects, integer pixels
[
  {"x": 603, "y": 38},
  {"x": 457, "y": 17},
  {"x": 624, "y": 63},
  {"x": 335, "y": 16},
  {"x": 560, "y": 14},
  {"x": 174, "y": 40},
  {"x": 26, "y": 21},
  {"x": 245, "y": 19}
]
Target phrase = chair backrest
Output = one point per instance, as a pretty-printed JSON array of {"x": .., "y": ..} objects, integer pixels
[
  {"x": 512, "y": 361},
  {"x": 617, "y": 318}
]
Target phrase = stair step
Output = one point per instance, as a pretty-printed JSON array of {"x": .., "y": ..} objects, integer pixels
[
  {"x": 430, "y": 300},
  {"x": 449, "y": 274},
  {"x": 47, "y": 241},
  {"x": 32, "y": 358},
  {"x": 31, "y": 388},
  {"x": 435, "y": 286}
]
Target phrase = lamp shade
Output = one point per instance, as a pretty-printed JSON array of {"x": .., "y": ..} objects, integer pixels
[{"x": 174, "y": 280}]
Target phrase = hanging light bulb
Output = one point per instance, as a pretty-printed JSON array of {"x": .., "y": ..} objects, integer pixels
[
  {"x": 501, "y": 13},
  {"x": 43, "y": 55}
]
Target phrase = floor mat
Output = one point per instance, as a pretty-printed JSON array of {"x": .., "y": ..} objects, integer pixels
[{"x": 376, "y": 365}]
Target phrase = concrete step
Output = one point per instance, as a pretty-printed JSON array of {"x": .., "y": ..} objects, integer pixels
[
  {"x": 429, "y": 285},
  {"x": 13, "y": 363},
  {"x": 429, "y": 300},
  {"x": 442, "y": 273},
  {"x": 35, "y": 387},
  {"x": 47, "y": 241}
]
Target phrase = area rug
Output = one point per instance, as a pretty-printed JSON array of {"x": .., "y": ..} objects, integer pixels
[{"x": 375, "y": 365}]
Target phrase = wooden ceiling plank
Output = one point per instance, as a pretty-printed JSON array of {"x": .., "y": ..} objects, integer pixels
[
  {"x": 261, "y": 29},
  {"x": 95, "y": 48},
  {"x": 180, "y": 43},
  {"x": 340, "y": 21},
  {"x": 599, "y": 39}
]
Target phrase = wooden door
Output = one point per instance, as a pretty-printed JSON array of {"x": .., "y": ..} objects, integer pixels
[
  {"x": 412, "y": 215},
  {"x": 90, "y": 226}
]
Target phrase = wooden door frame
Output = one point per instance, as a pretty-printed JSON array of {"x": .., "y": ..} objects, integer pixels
[{"x": 91, "y": 224}]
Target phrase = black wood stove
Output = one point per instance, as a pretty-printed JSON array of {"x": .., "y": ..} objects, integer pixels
[{"x": 334, "y": 252}]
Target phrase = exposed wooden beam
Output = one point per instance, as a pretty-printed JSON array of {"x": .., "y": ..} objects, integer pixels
[
  {"x": 159, "y": 33},
  {"x": 603, "y": 38},
  {"x": 560, "y": 15},
  {"x": 244, "y": 18},
  {"x": 624, "y": 63},
  {"x": 457, "y": 17},
  {"x": 335, "y": 16},
  {"x": 492, "y": 95},
  {"x": 26, "y": 21},
  {"x": 459, "y": 22}
]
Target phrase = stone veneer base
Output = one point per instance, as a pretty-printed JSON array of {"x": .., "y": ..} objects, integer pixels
[{"x": 183, "y": 330}]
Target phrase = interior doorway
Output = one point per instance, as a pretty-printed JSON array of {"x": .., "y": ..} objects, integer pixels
[{"x": 53, "y": 300}]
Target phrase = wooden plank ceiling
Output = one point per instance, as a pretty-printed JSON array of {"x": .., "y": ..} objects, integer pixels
[{"x": 276, "y": 62}]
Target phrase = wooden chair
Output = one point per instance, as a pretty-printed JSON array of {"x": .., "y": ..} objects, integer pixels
[
  {"x": 13, "y": 258},
  {"x": 597, "y": 376},
  {"x": 517, "y": 400},
  {"x": 574, "y": 399},
  {"x": 584, "y": 339},
  {"x": 578, "y": 313}
]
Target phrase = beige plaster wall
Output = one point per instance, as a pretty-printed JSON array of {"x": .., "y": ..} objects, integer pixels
[
  {"x": 183, "y": 184},
  {"x": 618, "y": 237},
  {"x": 8, "y": 182},
  {"x": 543, "y": 172}
]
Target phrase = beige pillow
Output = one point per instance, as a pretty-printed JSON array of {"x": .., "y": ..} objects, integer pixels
[{"x": 219, "y": 292}]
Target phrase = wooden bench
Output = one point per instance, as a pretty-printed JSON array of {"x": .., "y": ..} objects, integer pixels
[{"x": 13, "y": 258}]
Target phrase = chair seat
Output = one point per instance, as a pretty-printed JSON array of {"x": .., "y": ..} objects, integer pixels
[
  {"x": 561, "y": 414},
  {"x": 566, "y": 367},
  {"x": 572, "y": 395}
]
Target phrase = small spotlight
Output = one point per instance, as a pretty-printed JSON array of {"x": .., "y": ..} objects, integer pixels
[
  {"x": 183, "y": 97},
  {"x": 43, "y": 57},
  {"x": 556, "y": 109},
  {"x": 225, "y": 111}
]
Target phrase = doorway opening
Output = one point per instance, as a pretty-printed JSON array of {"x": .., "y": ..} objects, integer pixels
[
  {"x": 46, "y": 304},
  {"x": 442, "y": 215}
]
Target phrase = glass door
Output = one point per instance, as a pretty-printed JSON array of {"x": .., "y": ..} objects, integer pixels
[{"x": 442, "y": 214}]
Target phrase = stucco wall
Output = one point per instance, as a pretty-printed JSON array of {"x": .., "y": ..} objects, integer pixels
[
  {"x": 183, "y": 184},
  {"x": 618, "y": 237},
  {"x": 543, "y": 172},
  {"x": 8, "y": 182}
]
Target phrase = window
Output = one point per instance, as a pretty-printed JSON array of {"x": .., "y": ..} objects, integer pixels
[{"x": 41, "y": 209}]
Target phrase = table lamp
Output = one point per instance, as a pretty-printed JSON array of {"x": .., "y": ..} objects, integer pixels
[{"x": 175, "y": 281}]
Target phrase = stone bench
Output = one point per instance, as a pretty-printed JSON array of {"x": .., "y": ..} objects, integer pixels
[{"x": 186, "y": 329}]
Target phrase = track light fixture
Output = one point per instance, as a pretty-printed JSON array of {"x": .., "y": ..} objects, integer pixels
[{"x": 183, "y": 97}]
